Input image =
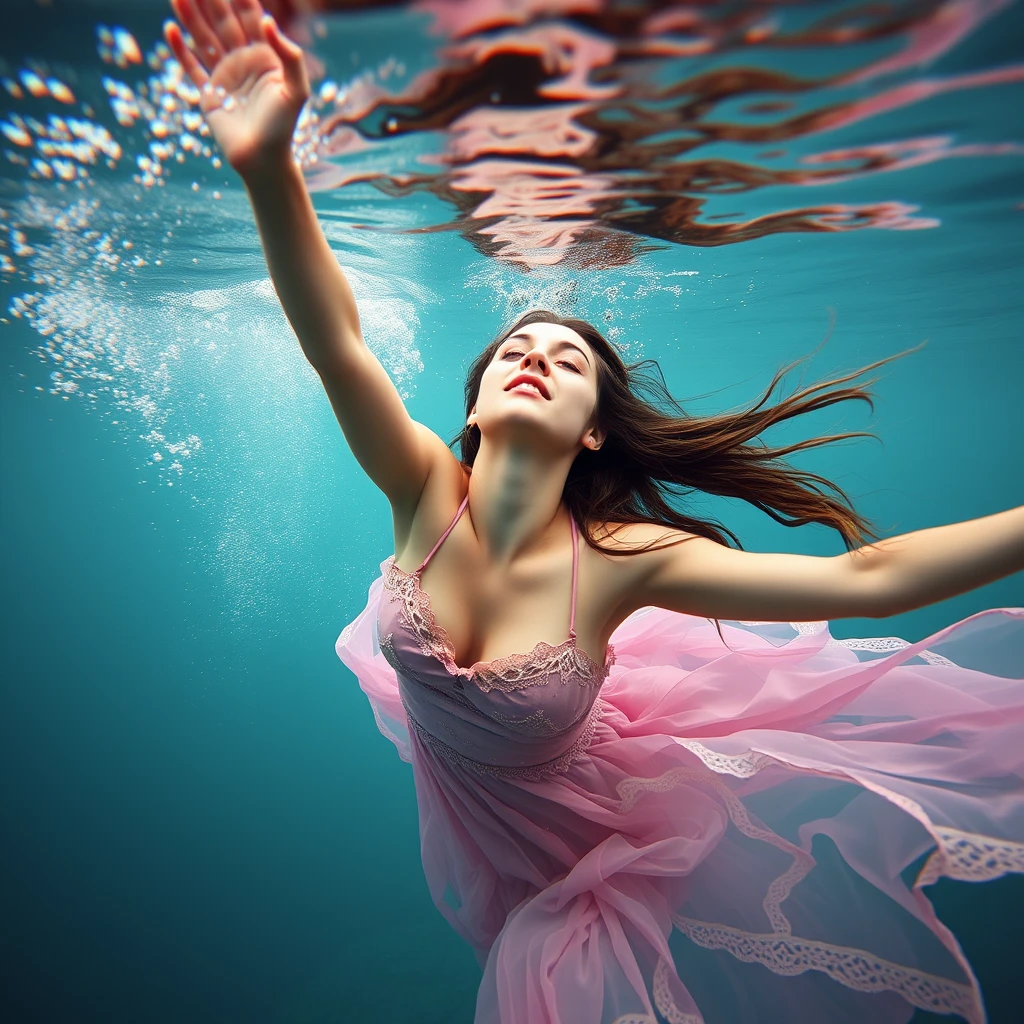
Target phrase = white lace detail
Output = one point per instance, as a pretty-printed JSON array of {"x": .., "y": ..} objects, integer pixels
[
  {"x": 417, "y": 612},
  {"x": 970, "y": 857},
  {"x": 518, "y": 671},
  {"x": 743, "y": 765},
  {"x": 387, "y": 648},
  {"x": 809, "y": 628},
  {"x": 888, "y": 643},
  {"x": 535, "y": 724},
  {"x": 509, "y": 674},
  {"x": 855, "y": 968},
  {"x": 965, "y": 856},
  {"x": 528, "y": 773},
  {"x": 635, "y": 1018},
  {"x": 663, "y": 998},
  {"x": 802, "y": 628},
  {"x": 778, "y": 950},
  {"x": 631, "y": 789},
  {"x": 878, "y": 644}
]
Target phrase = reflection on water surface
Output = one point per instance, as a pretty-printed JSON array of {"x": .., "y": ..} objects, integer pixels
[{"x": 575, "y": 135}]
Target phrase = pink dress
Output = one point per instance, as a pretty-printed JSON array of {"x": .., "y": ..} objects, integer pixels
[{"x": 757, "y": 802}]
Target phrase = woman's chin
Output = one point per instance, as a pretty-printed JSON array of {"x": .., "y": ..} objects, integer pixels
[{"x": 522, "y": 430}]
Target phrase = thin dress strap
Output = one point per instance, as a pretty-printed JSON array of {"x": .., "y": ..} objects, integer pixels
[
  {"x": 441, "y": 540},
  {"x": 575, "y": 560}
]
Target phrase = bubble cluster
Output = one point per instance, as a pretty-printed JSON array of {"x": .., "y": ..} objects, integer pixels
[
  {"x": 612, "y": 303},
  {"x": 100, "y": 347},
  {"x": 64, "y": 147},
  {"x": 70, "y": 249},
  {"x": 117, "y": 46},
  {"x": 164, "y": 104},
  {"x": 37, "y": 85}
]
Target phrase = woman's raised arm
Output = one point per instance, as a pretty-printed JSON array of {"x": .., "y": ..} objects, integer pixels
[{"x": 253, "y": 85}]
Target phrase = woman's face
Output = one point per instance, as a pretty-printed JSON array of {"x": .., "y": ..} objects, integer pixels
[{"x": 560, "y": 410}]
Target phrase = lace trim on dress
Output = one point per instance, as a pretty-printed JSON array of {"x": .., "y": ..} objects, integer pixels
[
  {"x": 855, "y": 968},
  {"x": 527, "y": 773},
  {"x": 743, "y": 766},
  {"x": 632, "y": 789},
  {"x": 519, "y": 671},
  {"x": 387, "y": 648},
  {"x": 431, "y": 638},
  {"x": 880, "y": 644},
  {"x": 509, "y": 674},
  {"x": 965, "y": 856},
  {"x": 663, "y": 998},
  {"x": 536, "y": 724},
  {"x": 970, "y": 857},
  {"x": 778, "y": 950}
]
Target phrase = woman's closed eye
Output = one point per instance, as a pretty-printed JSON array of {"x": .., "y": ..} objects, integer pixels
[{"x": 562, "y": 362}]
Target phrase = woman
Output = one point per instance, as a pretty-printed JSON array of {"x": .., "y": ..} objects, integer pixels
[{"x": 598, "y": 760}]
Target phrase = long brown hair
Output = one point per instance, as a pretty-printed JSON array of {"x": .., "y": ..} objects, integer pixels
[{"x": 651, "y": 456}]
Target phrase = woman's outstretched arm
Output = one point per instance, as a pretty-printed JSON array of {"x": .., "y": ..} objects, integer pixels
[
  {"x": 253, "y": 85},
  {"x": 886, "y": 578},
  {"x": 925, "y": 566}
]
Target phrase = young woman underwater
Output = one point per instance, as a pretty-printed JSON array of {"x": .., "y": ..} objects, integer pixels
[{"x": 621, "y": 737}]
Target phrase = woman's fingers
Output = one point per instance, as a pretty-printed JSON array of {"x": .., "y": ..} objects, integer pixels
[
  {"x": 284, "y": 12},
  {"x": 249, "y": 13},
  {"x": 207, "y": 47},
  {"x": 290, "y": 53},
  {"x": 221, "y": 18},
  {"x": 185, "y": 57}
]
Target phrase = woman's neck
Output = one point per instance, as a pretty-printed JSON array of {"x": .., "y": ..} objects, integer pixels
[{"x": 515, "y": 499}]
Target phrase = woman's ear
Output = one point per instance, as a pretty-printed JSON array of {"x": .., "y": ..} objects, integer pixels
[{"x": 593, "y": 439}]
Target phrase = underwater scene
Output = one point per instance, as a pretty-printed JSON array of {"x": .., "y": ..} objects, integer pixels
[{"x": 201, "y": 818}]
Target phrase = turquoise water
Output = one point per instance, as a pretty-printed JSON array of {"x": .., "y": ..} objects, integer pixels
[{"x": 201, "y": 821}]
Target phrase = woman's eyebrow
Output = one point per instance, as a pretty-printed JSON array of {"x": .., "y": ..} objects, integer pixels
[{"x": 558, "y": 344}]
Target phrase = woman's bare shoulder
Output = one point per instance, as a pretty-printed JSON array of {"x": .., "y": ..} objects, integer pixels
[
  {"x": 631, "y": 557},
  {"x": 622, "y": 571},
  {"x": 636, "y": 538},
  {"x": 417, "y": 527}
]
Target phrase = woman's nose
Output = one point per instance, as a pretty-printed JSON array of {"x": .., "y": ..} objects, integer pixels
[{"x": 535, "y": 359}]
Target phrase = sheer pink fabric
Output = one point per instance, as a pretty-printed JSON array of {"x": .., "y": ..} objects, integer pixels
[{"x": 757, "y": 802}]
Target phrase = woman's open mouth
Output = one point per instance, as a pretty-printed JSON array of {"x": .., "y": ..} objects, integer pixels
[{"x": 526, "y": 383}]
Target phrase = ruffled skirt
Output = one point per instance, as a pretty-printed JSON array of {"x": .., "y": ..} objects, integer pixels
[{"x": 748, "y": 835}]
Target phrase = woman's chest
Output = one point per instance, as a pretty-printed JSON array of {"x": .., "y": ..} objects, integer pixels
[
  {"x": 486, "y": 617},
  {"x": 538, "y": 692},
  {"x": 488, "y": 614}
]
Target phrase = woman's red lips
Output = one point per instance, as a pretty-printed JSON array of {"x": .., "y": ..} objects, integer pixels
[{"x": 525, "y": 378}]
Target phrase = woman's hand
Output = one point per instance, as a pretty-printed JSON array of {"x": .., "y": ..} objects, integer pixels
[{"x": 252, "y": 80}]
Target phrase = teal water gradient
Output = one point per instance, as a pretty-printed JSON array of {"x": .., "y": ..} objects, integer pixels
[{"x": 200, "y": 820}]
